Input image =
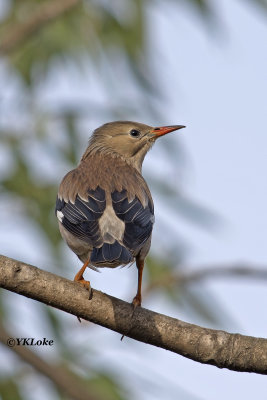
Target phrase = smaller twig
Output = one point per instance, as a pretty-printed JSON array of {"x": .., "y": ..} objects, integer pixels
[
  {"x": 226, "y": 271},
  {"x": 220, "y": 271},
  {"x": 46, "y": 13}
]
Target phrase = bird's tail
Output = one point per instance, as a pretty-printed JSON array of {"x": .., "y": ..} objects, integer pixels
[{"x": 111, "y": 255}]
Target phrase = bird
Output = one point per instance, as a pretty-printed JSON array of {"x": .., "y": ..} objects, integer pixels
[{"x": 104, "y": 206}]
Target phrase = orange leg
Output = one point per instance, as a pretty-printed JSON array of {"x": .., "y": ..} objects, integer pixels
[
  {"x": 138, "y": 298},
  {"x": 79, "y": 276}
]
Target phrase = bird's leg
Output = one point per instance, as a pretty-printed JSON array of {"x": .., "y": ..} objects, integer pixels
[
  {"x": 137, "y": 300},
  {"x": 79, "y": 276}
]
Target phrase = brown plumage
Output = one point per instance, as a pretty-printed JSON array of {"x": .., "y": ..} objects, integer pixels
[{"x": 104, "y": 206}]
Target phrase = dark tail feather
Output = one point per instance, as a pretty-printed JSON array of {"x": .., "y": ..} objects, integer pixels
[{"x": 111, "y": 254}]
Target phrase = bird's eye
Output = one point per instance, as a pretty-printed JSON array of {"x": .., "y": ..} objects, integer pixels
[{"x": 134, "y": 133}]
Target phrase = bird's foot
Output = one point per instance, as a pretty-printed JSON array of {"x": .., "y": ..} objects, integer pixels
[
  {"x": 137, "y": 301},
  {"x": 84, "y": 283},
  {"x": 80, "y": 279},
  {"x": 87, "y": 286}
]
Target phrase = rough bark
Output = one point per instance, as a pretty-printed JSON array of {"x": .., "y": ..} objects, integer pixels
[{"x": 222, "y": 349}]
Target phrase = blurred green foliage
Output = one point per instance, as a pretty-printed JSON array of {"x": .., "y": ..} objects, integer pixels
[
  {"x": 98, "y": 33},
  {"x": 9, "y": 389}
]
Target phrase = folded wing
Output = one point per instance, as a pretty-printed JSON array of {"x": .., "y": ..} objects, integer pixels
[
  {"x": 137, "y": 218},
  {"x": 81, "y": 217}
]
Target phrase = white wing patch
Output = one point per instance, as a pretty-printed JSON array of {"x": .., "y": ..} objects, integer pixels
[
  {"x": 111, "y": 227},
  {"x": 60, "y": 216}
]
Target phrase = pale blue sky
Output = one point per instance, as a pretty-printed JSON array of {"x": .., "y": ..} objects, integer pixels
[{"x": 216, "y": 83}]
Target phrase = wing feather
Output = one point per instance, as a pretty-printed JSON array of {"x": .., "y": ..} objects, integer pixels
[
  {"x": 137, "y": 218},
  {"x": 81, "y": 217}
]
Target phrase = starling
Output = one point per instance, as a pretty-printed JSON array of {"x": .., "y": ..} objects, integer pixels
[{"x": 104, "y": 206}]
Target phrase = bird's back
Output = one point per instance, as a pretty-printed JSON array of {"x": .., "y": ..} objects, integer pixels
[{"x": 105, "y": 211}]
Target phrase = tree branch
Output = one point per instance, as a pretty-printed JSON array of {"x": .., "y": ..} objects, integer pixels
[
  {"x": 224, "y": 350},
  {"x": 45, "y": 13}
]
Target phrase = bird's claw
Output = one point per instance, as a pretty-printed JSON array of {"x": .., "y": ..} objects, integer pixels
[
  {"x": 87, "y": 286},
  {"x": 137, "y": 301}
]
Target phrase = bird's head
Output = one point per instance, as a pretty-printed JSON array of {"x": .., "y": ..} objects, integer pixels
[{"x": 129, "y": 140}]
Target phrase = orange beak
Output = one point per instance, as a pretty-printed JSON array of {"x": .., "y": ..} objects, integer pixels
[{"x": 163, "y": 130}]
